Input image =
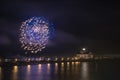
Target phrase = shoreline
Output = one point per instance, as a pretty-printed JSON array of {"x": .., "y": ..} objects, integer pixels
[{"x": 46, "y": 62}]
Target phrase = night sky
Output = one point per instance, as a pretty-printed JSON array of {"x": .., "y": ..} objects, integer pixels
[{"x": 91, "y": 24}]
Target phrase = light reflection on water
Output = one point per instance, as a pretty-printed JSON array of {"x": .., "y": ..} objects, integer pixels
[
  {"x": 39, "y": 68},
  {"x": 48, "y": 68},
  {"x": 43, "y": 71},
  {"x": 62, "y": 67},
  {"x": 56, "y": 68},
  {"x": 28, "y": 70},
  {"x": 0, "y": 73},
  {"x": 68, "y": 66},
  {"x": 76, "y": 66},
  {"x": 84, "y": 71},
  {"x": 53, "y": 71},
  {"x": 15, "y": 73}
]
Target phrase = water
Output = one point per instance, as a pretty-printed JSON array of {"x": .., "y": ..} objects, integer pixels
[{"x": 63, "y": 71}]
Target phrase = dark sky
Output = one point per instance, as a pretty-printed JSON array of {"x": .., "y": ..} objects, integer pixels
[{"x": 91, "y": 24}]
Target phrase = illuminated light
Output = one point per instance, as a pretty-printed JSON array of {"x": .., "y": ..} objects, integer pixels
[
  {"x": 56, "y": 67},
  {"x": 15, "y": 72},
  {"x": 35, "y": 34},
  {"x": 56, "y": 64},
  {"x": 48, "y": 68},
  {"x": 56, "y": 59},
  {"x": 72, "y": 58},
  {"x": 15, "y": 69},
  {"x": 28, "y": 72},
  {"x": 62, "y": 64},
  {"x": 16, "y": 59},
  {"x": 28, "y": 59},
  {"x": 68, "y": 58},
  {"x": 72, "y": 62},
  {"x": 28, "y": 68},
  {"x": 48, "y": 64},
  {"x": 76, "y": 62},
  {"x": 62, "y": 59},
  {"x": 40, "y": 59},
  {"x": 84, "y": 71},
  {"x": 48, "y": 59},
  {"x": 39, "y": 67},
  {"x": 68, "y": 63},
  {"x": 68, "y": 66},
  {"x": 76, "y": 58},
  {"x": 83, "y": 49}
]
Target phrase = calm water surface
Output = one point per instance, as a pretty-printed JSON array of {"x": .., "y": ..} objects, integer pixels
[{"x": 63, "y": 71}]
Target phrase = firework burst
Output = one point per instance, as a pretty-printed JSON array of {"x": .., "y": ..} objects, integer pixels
[{"x": 34, "y": 34}]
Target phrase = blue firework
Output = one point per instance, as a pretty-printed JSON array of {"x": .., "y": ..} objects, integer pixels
[{"x": 35, "y": 34}]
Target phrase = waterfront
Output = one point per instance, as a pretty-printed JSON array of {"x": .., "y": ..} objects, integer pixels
[{"x": 103, "y": 70}]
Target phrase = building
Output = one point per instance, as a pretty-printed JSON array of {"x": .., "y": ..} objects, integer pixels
[{"x": 85, "y": 54}]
